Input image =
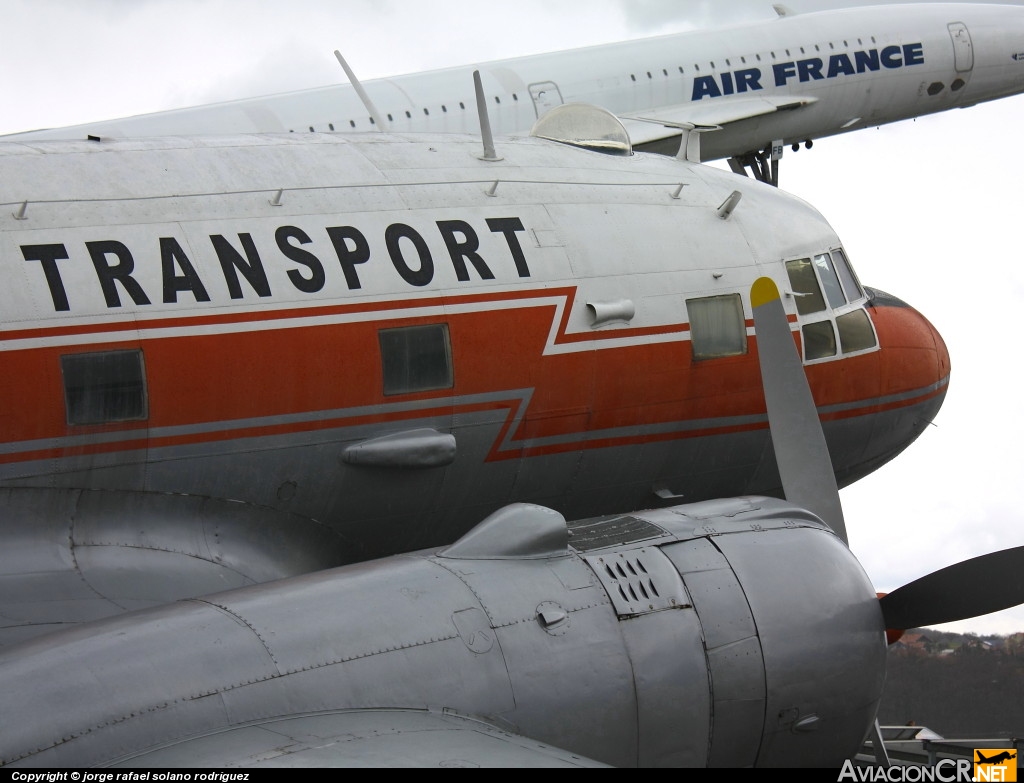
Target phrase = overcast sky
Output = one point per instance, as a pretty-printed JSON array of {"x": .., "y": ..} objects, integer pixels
[{"x": 930, "y": 211}]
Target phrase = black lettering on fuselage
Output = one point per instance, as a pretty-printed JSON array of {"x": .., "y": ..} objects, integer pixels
[
  {"x": 115, "y": 265},
  {"x": 466, "y": 249},
  {"x": 48, "y": 256},
  {"x": 348, "y": 257},
  {"x": 111, "y": 274},
  {"x": 509, "y": 227},
  {"x": 393, "y": 238},
  {"x": 317, "y": 278},
  {"x": 232, "y": 262},
  {"x": 173, "y": 258}
]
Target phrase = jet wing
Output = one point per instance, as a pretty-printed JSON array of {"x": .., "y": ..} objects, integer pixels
[
  {"x": 651, "y": 126},
  {"x": 360, "y": 738}
]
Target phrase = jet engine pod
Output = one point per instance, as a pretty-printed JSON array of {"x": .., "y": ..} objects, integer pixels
[{"x": 584, "y": 125}]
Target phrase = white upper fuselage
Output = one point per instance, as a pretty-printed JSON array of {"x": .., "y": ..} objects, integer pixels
[{"x": 792, "y": 79}]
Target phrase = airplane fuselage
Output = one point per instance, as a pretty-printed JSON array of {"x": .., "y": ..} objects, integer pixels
[
  {"x": 790, "y": 79},
  {"x": 382, "y": 339}
]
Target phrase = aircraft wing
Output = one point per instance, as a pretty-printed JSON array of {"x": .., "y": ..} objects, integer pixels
[
  {"x": 361, "y": 738},
  {"x": 650, "y": 126},
  {"x": 73, "y": 555}
]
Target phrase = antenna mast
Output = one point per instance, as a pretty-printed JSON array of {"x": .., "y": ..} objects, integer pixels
[
  {"x": 485, "y": 120},
  {"x": 374, "y": 114}
]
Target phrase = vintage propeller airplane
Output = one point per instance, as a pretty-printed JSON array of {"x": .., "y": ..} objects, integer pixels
[
  {"x": 742, "y": 92},
  {"x": 231, "y": 360},
  {"x": 406, "y": 335},
  {"x": 733, "y": 632},
  {"x": 342, "y": 387}
]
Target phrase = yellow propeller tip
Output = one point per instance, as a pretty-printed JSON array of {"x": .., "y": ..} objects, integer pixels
[{"x": 763, "y": 291}]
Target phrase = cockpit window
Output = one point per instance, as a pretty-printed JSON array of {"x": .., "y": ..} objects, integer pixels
[
  {"x": 819, "y": 340},
  {"x": 855, "y": 332},
  {"x": 805, "y": 286},
  {"x": 853, "y": 289},
  {"x": 830, "y": 280},
  {"x": 828, "y": 277}
]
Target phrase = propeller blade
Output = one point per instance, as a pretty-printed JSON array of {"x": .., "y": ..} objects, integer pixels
[
  {"x": 805, "y": 465},
  {"x": 982, "y": 585}
]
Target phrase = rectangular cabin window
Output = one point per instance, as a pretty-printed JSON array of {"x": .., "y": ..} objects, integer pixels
[
  {"x": 717, "y": 327},
  {"x": 101, "y": 388},
  {"x": 805, "y": 286},
  {"x": 416, "y": 359}
]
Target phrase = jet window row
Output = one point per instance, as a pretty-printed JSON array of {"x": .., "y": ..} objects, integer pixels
[
  {"x": 408, "y": 114},
  {"x": 758, "y": 58},
  {"x": 110, "y": 387},
  {"x": 632, "y": 76}
]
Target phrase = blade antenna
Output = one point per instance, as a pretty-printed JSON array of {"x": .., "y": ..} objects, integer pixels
[
  {"x": 367, "y": 103},
  {"x": 805, "y": 465},
  {"x": 485, "y": 120}
]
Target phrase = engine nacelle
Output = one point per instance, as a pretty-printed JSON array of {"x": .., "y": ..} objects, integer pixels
[{"x": 726, "y": 633}]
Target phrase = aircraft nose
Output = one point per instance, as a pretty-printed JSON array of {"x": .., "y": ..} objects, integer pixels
[
  {"x": 911, "y": 338},
  {"x": 905, "y": 382}
]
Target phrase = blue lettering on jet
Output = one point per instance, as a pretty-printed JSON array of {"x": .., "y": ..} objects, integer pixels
[{"x": 809, "y": 69}]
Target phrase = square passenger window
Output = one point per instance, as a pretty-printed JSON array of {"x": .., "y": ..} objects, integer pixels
[
  {"x": 100, "y": 388},
  {"x": 416, "y": 359},
  {"x": 717, "y": 326}
]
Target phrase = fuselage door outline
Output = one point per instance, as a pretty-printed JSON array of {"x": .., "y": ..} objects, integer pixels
[
  {"x": 546, "y": 96},
  {"x": 963, "y": 47}
]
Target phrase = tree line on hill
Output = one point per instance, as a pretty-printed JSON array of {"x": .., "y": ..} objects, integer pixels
[{"x": 962, "y": 686}]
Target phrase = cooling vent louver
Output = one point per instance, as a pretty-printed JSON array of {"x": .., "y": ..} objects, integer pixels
[{"x": 640, "y": 581}]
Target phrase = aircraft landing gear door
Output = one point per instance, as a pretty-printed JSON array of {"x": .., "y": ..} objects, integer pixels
[{"x": 546, "y": 96}]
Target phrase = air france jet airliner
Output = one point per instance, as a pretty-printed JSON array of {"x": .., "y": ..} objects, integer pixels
[{"x": 742, "y": 92}]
